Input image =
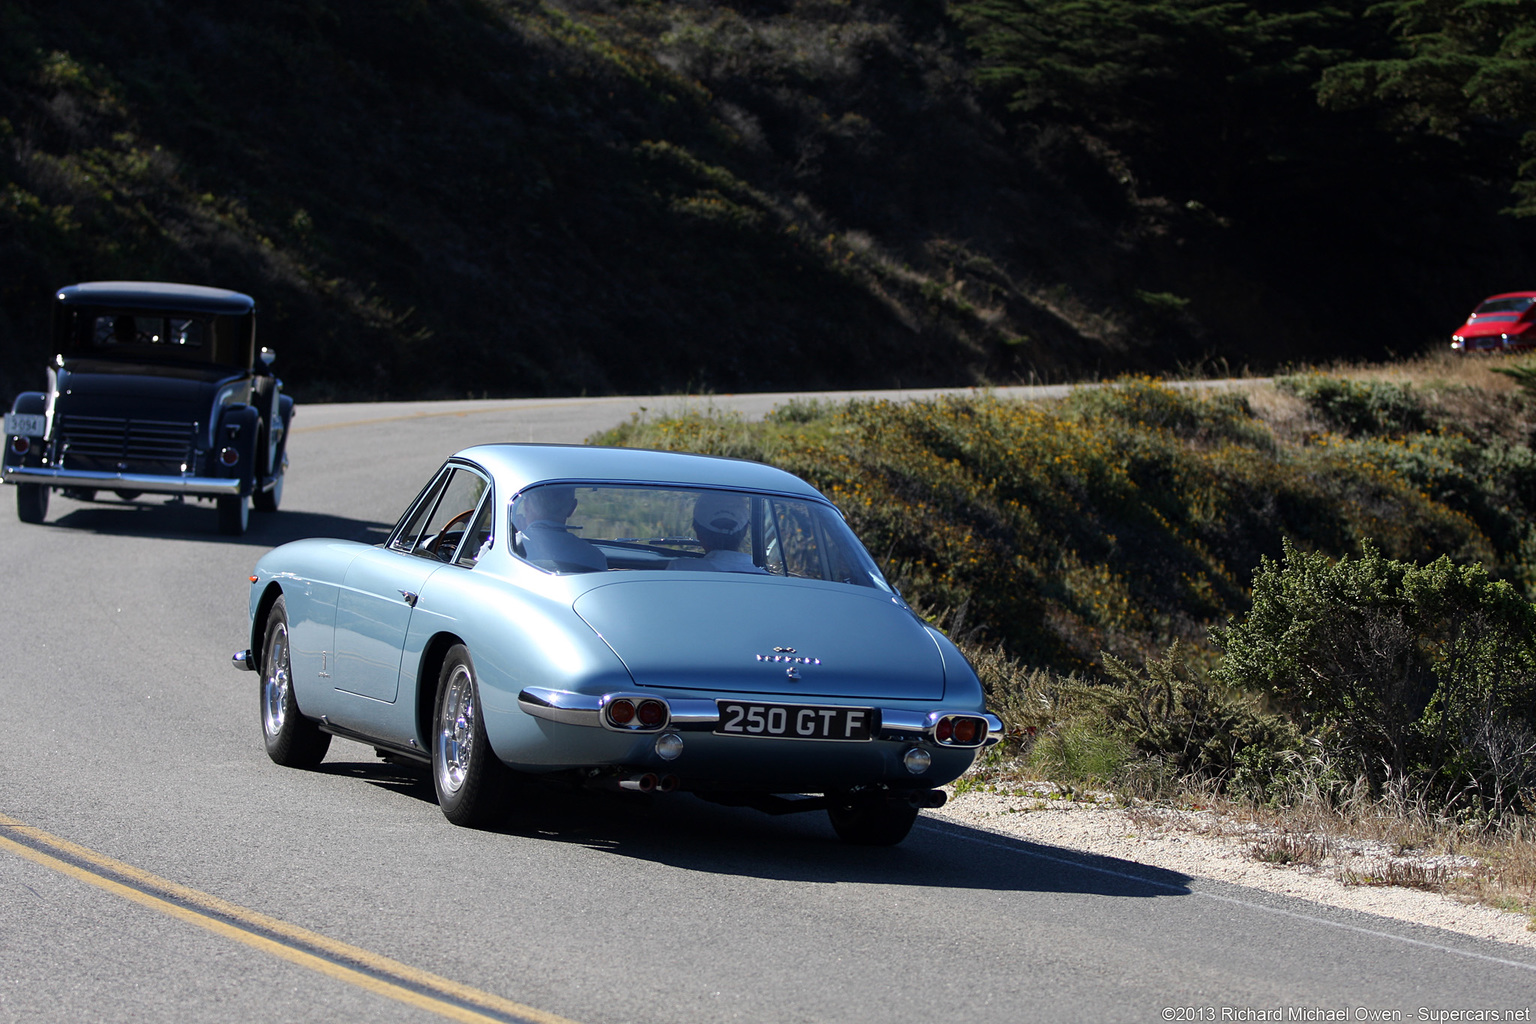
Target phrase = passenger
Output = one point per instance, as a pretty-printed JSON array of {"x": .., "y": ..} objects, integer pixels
[
  {"x": 124, "y": 330},
  {"x": 543, "y": 536},
  {"x": 720, "y": 522}
]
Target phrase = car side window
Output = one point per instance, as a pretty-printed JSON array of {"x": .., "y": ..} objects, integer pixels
[
  {"x": 478, "y": 541},
  {"x": 441, "y": 519}
]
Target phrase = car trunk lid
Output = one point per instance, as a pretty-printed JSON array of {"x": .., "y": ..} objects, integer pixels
[{"x": 788, "y": 638}]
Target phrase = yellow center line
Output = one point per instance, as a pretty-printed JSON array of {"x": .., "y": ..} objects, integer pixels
[{"x": 381, "y": 976}]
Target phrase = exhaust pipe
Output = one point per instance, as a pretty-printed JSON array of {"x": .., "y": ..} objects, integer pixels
[
  {"x": 641, "y": 783},
  {"x": 666, "y": 784}
]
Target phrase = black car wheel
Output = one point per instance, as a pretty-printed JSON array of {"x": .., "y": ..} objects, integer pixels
[
  {"x": 32, "y": 502},
  {"x": 870, "y": 819},
  {"x": 267, "y": 501},
  {"x": 234, "y": 514},
  {"x": 292, "y": 740},
  {"x": 471, "y": 783}
]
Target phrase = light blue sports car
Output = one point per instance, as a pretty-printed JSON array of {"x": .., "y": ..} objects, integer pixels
[{"x": 635, "y": 619}]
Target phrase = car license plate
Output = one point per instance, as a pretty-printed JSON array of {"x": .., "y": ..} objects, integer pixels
[
  {"x": 794, "y": 721},
  {"x": 25, "y": 424}
]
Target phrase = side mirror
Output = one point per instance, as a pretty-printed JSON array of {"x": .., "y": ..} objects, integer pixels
[{"x": 267, "y": 356}]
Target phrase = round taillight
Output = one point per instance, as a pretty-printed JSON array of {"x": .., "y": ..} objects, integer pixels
[
  {"x": 966, "y": 731},
  {"x": 621, "y": 712},
  {"x": 945, "y": 730},
  {"x": 651, "y": 713},
  {"x": 21, "y": 445},
  {"x": 228, "y": 456}
]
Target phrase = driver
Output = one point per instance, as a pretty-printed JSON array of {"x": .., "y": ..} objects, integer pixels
[
  {"x": 720, "y": 522},
  {"x": 543, "y": 535}
]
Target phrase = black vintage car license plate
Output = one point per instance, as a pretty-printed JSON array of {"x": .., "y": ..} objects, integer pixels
[{"x": 795, "y": 721}]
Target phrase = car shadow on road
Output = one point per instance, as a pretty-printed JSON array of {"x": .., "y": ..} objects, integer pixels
[
  {"x": 199, "y": 521},
  {"x": 687, "y": 833}
]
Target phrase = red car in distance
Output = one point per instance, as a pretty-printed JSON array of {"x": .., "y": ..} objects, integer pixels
[{"x": 1500, "y": 323}]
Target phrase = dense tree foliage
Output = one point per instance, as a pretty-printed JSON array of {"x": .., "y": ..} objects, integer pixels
[
  {"x": 1192, "y": 90},
  {"x": 1465, "y": 70},
  {"x": 506, "y": 197}
]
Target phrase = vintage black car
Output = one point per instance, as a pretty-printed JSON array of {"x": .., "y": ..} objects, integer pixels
[{"x": 156, "y": 389}]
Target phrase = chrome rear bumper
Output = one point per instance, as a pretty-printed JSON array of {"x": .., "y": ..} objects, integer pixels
[
  {"x": 103, "y": 481},
  {"x": 570, "y": 708}
]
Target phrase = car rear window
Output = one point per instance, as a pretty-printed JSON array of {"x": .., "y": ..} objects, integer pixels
[
  {"x": 597, "y": 527},
  {"x": 125, "y": 330}
]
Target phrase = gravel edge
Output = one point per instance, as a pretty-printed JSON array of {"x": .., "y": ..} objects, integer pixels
[{"x": 1195, "y": 843}]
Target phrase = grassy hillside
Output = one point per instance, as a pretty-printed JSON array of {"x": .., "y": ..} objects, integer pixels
[
  {"x": 1214, "y": 586},
  {"x": 496, "y": 197}
]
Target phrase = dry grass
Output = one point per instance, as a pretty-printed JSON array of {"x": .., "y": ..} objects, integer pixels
[
  {"x": 1392, "y": 840},
  {"x": 1437, "y": 369},
  {"x": 1293, "y": 848},
  {"x": 1465, "y": 393}
]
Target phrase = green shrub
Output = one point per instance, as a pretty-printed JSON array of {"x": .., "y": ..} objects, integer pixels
[
  {"x": 1146, "y": 403},
  {"x": 1174, "y": 712},
  {"x": 1424, "y": 673},
  {"x": 1359, "y": 408},
  {"x": 1078, "y": 753}
]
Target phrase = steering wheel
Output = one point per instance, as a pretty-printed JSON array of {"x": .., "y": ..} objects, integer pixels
[{"x": 442, "y": 535}]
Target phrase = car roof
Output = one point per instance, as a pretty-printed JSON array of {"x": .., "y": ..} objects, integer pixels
[
  {"x": 1510, "y": 295},
  {"x": 520, "y": 465},
  {"x": 191, "y": 298}
]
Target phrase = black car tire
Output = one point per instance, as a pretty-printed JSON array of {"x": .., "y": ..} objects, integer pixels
[
  {"x": 292, "y": 740},
  {"x": 870, "y": 819},
  {"x": 471, "y": 783},
  {"x": 267, "y": 501},
  {"x": 234, "y": 514},
  {"x": 32, "y": 502}
]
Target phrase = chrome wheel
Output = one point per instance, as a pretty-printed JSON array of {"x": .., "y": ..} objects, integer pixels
[
  {"x": 456, "y": 730},
  {"x": 274, "y": 681},
  {"x": 291, "y": 739},
  {"x": 471, "y": 782}
]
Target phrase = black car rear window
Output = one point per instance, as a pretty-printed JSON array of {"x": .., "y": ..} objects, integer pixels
[{"x": 159, "y": 333}]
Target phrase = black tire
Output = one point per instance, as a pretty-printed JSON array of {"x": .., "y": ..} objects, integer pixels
[
  {"x": 870, "y": 819},
  {"x": 234, "y": 514},
  {"x": 268, "y": 501},
  {"x": 32, "y": 502},
  {"x": 292, "y": 740},
  {"x": 471, "y": 783}
]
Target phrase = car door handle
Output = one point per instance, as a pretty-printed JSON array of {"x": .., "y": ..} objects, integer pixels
[{"x": 410, "y": 598}]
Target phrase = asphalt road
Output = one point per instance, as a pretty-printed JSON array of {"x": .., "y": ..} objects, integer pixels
[{"x": 155, "y": 866}]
